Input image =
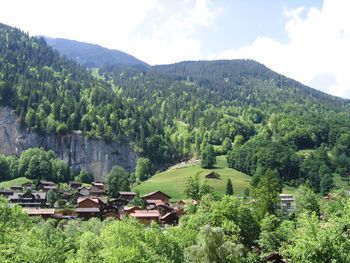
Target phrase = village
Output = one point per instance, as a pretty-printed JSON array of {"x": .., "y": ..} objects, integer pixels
[{"x": 93, "y": 202}]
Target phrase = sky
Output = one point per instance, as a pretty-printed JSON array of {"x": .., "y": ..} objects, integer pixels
[{"x": 305, "y": 40}]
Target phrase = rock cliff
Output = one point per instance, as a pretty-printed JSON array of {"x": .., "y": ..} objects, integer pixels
[{"x": 96, "y": 156}]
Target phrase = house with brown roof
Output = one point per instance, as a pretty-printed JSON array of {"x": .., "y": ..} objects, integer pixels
[
  {"x": 47, "y": 185},
  {"x": 27, "y": 186},
  {"x": 98, "y": 185},
  {"x": 126, "y": 195},
  {"x": 84, "y": 191},
  {"x": 169, "y": 218},
  {"x": 89, "y": 207},
  {"x": 28, "y": 199},
  {"x": 74, "y": 184},
  {"x": 131, "y": 209},
  {"x": 212, "y": 175},
  {"x": 16, "y": 188},
  {"x": 158, "y": 195},
  {"x": 146, "y": 217},
  {"x": 43, "y": 212}
]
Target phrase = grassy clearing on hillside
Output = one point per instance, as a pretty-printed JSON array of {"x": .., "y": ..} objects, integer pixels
[
  {"x": 17, "y": 181},
  {"x": 172, "y": 180}
]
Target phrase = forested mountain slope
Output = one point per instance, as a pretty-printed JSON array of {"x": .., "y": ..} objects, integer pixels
[
  {"x": 170, "y": 112},
  {"x": 93, "y": 56}
]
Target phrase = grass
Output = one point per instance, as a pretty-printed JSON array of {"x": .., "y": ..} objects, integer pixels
[
  {"x": 17, "y": 181},
  {"x": 172, "y": 181}
]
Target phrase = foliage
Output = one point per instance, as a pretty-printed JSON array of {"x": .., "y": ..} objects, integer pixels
[
  {"x": 266, "y": 194},
  {"x": 306, "y": 201},
  {"x": 194, "y": 189},
  {"x": 117, "y": 180},
  {"x": 208, "y": 158},
  {"x": 143, "y": 169}
]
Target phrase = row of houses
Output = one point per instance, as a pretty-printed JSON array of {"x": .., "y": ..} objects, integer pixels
[{"x": 93, "y": 202}]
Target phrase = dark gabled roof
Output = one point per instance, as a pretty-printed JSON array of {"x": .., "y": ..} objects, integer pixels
[
  {"x": 47, "y": 182},
  {"x": 18, "y": 196},
  {"x": 74, "y": 182},
  {"x": 6, "y": 191},
  {"x": 152, "y": 193}
]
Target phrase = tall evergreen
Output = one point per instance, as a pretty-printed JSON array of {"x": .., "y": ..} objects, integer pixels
[{"x": 229, "y": 187}]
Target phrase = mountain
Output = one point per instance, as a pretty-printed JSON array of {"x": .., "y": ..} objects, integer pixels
[
  {"x": 165, "y": 113},
  {"x": 93, "y": 56}
]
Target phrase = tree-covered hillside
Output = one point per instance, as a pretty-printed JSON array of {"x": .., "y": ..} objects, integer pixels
[
  {"x": 172, "y": 112},
  {"x": 93, "y": 56}
]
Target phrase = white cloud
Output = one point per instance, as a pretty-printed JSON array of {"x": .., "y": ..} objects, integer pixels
[
  {"x": 169, "y": 34},
  {"x": 319, "y": 43},
  {"x": 85, "y": 20},
  {"x": 173, "y": 39}
]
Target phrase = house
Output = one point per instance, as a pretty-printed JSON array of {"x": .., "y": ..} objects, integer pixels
[
  {"x": 74, "y": 184},
  {"x": 97, "y": 192},
  {"x": 158, "y": 195},
  {"x": 170, "y": 218},
  {"x": 27, "y": 186},
  {"x": 181, "y": 203},
  {"x": 287, "y": 202},
  {"x": 98, "y": 185},
  {"x": 117, "y": 203},
  {"x": 275, "y": 258},
  {"x": 47, "y": 185},
  {"x": 212, "y": 175},
  {"x": 84, "y": 191},
  {"x": 28, "y": 199},
  {"x": 16, "y": 188},
  {"x": 88, "y": 207},
  {"x": 165, "y": 208},
  {"x": 6, "y": 193},
  {"x": 127, "y": 195},
  {"x": 43, "y": 212},
  {"x": 146, "y": 217},
  {"x": 131, "y": 209}
]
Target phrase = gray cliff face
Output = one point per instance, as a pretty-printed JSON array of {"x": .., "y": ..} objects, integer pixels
[{"x": 96, "y": 156}]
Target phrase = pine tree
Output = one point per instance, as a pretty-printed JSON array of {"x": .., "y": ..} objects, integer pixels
[{"x": 229, "y": 188}]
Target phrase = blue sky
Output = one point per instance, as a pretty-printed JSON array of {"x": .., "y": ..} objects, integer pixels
[{"x": 306, "y": 40}]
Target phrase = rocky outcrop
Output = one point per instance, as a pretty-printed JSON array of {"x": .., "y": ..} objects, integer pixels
[{"x": 96, "y": 156}]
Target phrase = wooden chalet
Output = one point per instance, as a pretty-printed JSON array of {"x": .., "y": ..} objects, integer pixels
[
  {"x": 118, "y": 203},
  {"x": 158, "y": 195},
  {"x": 43, "y": 212},
  {"x": 6, "y": 192},
  {"x": 275, "y": 258},
  {"x": 146, "y": 217},
  {"x": 212, "y": 175},
  {"x": 89, "y": 207},
  {"x": 98, "y": 185},
  {"x": 74, "y": 184},
  {"x": 127, "y": 195},
  {"x": 131, "y": 209},
  {"x": 27, "y": 186},
  {"x": 84, "y": 191},
  {"x": 16, "y": 188},
  {"x": 170, "y": 218},
  {"x": 47, "y": 185},
  {"x": 28, "y": 199},
  {"x": 97, "y": 192}
]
